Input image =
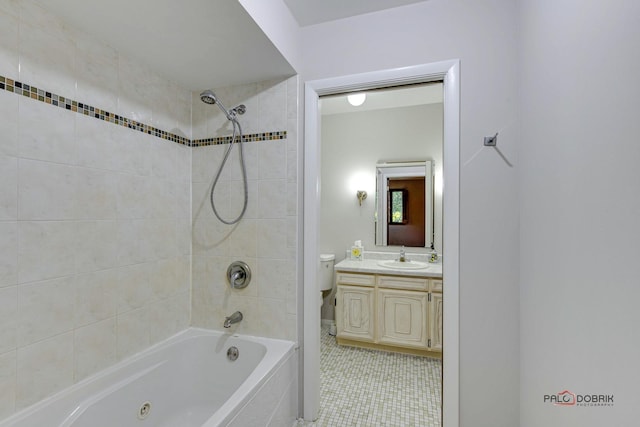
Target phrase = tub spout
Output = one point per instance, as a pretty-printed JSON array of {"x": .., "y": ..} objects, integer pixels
[{"x": 234, "y": 318}]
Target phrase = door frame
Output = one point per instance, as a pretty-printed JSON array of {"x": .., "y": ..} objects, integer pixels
[{"x": 449, "y": 73}]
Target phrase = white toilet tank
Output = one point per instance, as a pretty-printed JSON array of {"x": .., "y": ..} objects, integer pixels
[{"x": 326, "y": 271}]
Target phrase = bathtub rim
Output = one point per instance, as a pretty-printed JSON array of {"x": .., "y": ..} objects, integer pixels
[{"x": 278, "y": 351}]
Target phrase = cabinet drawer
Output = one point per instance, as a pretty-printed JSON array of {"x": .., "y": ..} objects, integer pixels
[
  {"x": 355, "y": 279},
  {"x": 436, "y": 285},
  {"x": 400, "y": 282}
]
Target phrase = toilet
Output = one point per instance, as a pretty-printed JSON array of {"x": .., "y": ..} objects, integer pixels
[
  {"x": 325, "y": 281},
  {"x": 326, "y": 273}
]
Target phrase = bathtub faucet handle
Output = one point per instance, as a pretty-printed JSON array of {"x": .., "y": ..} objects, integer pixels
[
  {"x": 239, "y": 275},
  {"x": 234, "y": 318}
]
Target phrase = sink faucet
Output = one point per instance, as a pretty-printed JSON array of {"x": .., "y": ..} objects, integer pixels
[
  {"x": 234, "y": 318},
  {"x": 403, "y": 257}
]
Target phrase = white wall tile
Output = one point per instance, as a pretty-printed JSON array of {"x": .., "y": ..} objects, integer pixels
[
  {"x": 134, "y": 287},
  {"x": 134, "y": 192},
  {"x": 272, "y": 160},
  {"x": 164, "y": 159},
  {"x": 292, "y": 165},
  {"x": 7, "y": 383},
  {"x": 8, "y": 253},
  {"x": 181, "y": 110},
  {"x": 96, "y": 246},
  {"x": 9, "y": 46},
  {"x": 47, "y": 191},
  {"x": 199, "y": 115},
  {"x": 45, "y": 309},
  {"x": 46, "y": 132},
  {"x": 10, "y": 7},
  {"x": 237, "y": 197},
  {"x": 8, "y": 316},
  {"x": 272, "y": 238},
  {"x": 133, "y": 151},
  {"x": 95, "y": 348},
  {"x": 96, "y": 193},
  {"x": 130, "y": 245},
  {"x": 206, "y": 161},
  {"x": 97, "y": 74},
  {"x": 133, "y": 332},
  {"x": 96, "y": 144},
  {"x": 43, "y": 368},
  {"x": 273, "y": 318},
  {"x": 167, "y": 317},
  {"x": 134, "y": 97},
  {"x": 276, "y": 277},
  {"x": 46, "y": 250},
  {"x": 163, "y": 95},
  {"x": 96, "y": 296},
  {"x": 272, "y": 198},
  {"x": 272, "y": 106},
  {"x": 158, "y": 238},
  {"x": 183, "y": 236},
  {"x": 8, "y": 188},
  {"x": 47, "y": 56},
  {"x": 243, "y": 239},
  {"x": 9, "y": 123},
  {"x": 292, "y": 198}
]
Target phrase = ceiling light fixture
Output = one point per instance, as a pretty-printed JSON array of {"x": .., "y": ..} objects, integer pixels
[{"x": 357, "y": 99}]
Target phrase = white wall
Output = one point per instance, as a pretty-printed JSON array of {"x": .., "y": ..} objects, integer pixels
[
  {"x": 482, "y": 35},
  {"x": 580, "y": 206}
]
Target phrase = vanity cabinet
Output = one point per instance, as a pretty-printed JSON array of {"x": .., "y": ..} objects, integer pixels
[{"x": 389, "y": 312}]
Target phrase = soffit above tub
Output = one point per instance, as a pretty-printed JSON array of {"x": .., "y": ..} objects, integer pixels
[
  {"x": 198, "y": 44},
  {"x": 311, "y": 12}
]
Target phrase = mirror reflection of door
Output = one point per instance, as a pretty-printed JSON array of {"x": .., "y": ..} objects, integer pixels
[{"x": 406, "y": 215}]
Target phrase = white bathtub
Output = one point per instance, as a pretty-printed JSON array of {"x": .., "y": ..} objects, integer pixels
[{"x": 187, "y": 381}]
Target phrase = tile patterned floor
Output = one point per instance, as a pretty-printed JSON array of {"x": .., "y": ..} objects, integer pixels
[{"x": 376, "y": 389}]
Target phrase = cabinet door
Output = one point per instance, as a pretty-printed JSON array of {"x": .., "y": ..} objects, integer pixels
[
  {"x": 354, "y": 312},
  {"x": 403, "y": 318},
  {"x": 435, "y": 322}
]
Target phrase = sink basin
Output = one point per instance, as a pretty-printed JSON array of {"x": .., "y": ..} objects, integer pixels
[{"x": 407, "y": 265}]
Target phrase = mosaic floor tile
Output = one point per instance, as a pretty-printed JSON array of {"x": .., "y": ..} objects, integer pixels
[{"x": 369, "y": 388}]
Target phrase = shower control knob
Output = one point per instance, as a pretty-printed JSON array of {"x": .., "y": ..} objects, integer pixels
[{"x": 239, "y": 275}]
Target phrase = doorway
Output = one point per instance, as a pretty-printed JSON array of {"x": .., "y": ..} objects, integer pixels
[{"x": 448, "y": 73}]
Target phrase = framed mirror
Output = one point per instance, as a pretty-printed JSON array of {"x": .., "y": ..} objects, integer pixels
[{"x": 404, "y": 204}]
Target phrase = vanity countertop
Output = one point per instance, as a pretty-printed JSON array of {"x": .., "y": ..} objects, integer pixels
[{"x": 373, "y": 266}]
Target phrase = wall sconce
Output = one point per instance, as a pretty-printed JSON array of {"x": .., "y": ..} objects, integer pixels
[{"x": 361, "y": 195}]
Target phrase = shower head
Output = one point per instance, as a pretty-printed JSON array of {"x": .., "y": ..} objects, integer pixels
[{"x": 208, "y": 97}]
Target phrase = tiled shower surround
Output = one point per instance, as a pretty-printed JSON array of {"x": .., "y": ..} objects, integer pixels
[
  {"x": 96, "y": 235},
  {"x": 266, "y": 237}
]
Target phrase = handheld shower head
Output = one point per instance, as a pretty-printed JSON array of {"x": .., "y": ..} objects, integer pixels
[{"x": 208, "y": 97}]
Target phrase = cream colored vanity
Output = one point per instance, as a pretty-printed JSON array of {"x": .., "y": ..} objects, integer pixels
[{"x": 388, "y": 309}]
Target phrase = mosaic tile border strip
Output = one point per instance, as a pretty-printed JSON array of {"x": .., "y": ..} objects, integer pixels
[
  {"x": 264, "y": 136},
  {"x": 29, "y": 91}
]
